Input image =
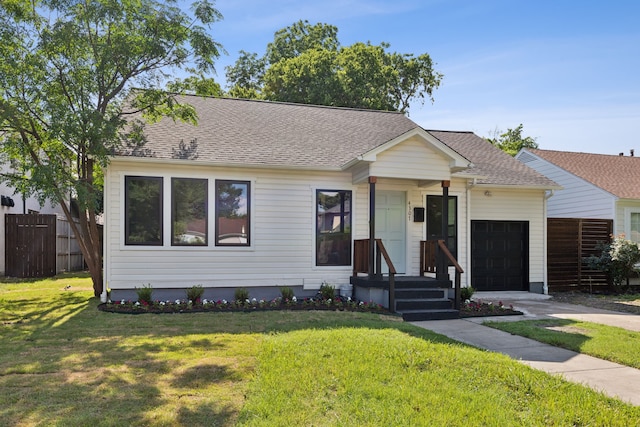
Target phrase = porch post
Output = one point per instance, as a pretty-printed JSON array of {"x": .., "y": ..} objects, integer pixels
[
  {"x": 372, "y": 225},
  {"x": 442, "y": 271}
]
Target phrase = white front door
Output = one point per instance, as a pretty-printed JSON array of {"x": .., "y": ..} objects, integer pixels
[{"x": 391, "y": 226}]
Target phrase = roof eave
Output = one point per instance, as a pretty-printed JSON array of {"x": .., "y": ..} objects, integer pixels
[{"x": 187, "y": 162}]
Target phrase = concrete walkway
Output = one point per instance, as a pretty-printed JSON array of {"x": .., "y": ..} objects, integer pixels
[{"x": 612, "y": 379}]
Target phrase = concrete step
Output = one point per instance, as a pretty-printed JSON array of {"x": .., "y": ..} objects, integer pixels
[
  {"x": 411, "y": 293},
  {"x": 423, "y": 304},
  {"x": 417, "y": 315}
]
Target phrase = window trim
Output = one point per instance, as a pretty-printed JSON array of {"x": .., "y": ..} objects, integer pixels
[
  {"x": 206, "y": 213},
  {"x": 127, "y": 226},
  {"x": 627, "y": 220},
  {"x": 316, "y": 234},
  {"x": 217, "y": 210}
]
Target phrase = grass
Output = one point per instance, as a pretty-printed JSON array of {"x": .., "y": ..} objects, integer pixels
[
  {"x": 605, "y": 342},
  {"x": 63, "y": 362}
]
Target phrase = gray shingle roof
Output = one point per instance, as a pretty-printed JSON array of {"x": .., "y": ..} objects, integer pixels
[
  {"x": 619, "y": 175},
  {"x": 244, "y": 132},
  {"x": 496, "y": 166},
  {"x": 261, "y": 133}
]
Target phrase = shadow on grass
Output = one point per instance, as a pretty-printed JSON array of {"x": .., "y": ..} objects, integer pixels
[
  {"x": 557, "y": 332},
  {"x": 191, "y": 368}
]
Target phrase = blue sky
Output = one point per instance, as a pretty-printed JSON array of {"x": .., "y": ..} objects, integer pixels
[{"x": 569, "y": 71}]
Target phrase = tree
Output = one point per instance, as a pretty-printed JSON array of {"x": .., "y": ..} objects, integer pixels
[
  {"x": 66, "y": 90},
  {"x": 512, "y": 141},
  {"x": 306, "y": 64}
]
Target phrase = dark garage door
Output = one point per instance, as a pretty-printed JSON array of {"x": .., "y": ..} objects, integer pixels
[{"x": 500, "y": 255}]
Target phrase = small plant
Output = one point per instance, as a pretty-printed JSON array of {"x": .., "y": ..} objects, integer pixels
[
  {"x": 287, "y": 293},
  {"x": 466, "y": 293},
  {"x": 327, "y": 291},
  {"x": 195, "y": 293},
  {"x": 241, "y": 295},
  {"x": 144, "y": 294}
]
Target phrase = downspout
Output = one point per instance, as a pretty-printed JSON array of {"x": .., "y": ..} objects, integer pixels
[
  {"x": 545, "y": 275},
  {"x": 105, "y": 253},
  {"x": 467, "y": 278}
]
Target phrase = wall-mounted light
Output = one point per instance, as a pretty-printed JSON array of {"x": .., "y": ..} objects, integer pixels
[
  {"x": 488, "y": 193},
  {"x": 7, "y": 201}
]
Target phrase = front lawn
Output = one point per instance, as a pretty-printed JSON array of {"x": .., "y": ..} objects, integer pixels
[
  {"x": 63, "y": 362},
  {"x": 605, "y": 342}
]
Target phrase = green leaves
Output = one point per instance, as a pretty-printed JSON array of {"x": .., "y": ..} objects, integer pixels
[
  {"x": 512, "y": 141},
  {"x": 68, "y": 66},
  {"x": 306, "y": 64}
]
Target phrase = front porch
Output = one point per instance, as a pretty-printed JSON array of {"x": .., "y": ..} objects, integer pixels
[{"x": 414, "y": 297}]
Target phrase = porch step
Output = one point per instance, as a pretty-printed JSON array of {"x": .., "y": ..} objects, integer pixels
[
  {"x": 417, "y": 315},
  {"x": 403, "y": 305},
  {"x": 420, "y": 293}
]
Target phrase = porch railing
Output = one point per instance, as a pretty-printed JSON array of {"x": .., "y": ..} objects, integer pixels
[
  {"x": 428, "y": 262},
  {"x": 361, "y": 264}
]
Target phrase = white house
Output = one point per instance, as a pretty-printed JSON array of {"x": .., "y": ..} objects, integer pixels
[
  {"x": 264, "y": 194},
  {"x": 593, "y": 186}
]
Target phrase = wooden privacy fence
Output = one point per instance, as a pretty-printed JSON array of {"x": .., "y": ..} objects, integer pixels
[
  {"x": 569, "y": 241},
  {"x": 39, "y": 246},
  {"x": 30, "y": 245}
]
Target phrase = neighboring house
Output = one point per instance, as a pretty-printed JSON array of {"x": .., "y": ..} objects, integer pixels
[
  {"x": 593, "y": 186},
  {"x": 284, "y": 190}
]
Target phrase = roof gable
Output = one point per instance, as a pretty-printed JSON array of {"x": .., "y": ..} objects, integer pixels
[{"x": 618, "y": 175}]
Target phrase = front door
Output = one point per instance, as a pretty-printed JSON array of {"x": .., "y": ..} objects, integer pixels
[{"x": 391, "y": 227}]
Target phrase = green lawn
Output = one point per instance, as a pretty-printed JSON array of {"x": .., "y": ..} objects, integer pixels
[
  {"x": 601, "y": 341},
  {"x": 63, "y": 362}
]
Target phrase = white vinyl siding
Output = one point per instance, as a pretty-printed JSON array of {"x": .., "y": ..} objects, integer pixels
[
  {"x": 413, "y": 159},
  {"x": 626, "y": 212},
  {"x": 282, "y": 223},
  {"x": 516, "y": 205},
  {"x": 578, "y": 198}
]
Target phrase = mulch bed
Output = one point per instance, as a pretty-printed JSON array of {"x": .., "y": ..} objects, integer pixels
[
  {"x": 471, "y": 309},
  {"x": 485, "y": 309}
]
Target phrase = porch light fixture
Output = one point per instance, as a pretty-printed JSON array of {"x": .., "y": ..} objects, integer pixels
[{"x": 488, "y": 193}]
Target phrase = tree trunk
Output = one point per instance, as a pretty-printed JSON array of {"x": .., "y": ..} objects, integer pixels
[{"x": 88, "y": 239}]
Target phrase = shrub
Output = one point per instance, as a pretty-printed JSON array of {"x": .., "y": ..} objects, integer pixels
[
  {"x": 327, "y": 291},
  {"x": 287, "y": 293},
  {"x": 195, "y": 293},
  {"x": 241, "y": 294},
  {"x": 466, "y": 293},
  {"x": 144, "y": 294},
  {"x": 617, "y": 258}
]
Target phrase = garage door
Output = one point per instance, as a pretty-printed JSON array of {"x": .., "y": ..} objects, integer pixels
[{"x": 500, "y": 255}]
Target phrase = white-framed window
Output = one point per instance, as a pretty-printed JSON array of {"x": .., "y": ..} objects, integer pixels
[{"x": 143, "y": 210}]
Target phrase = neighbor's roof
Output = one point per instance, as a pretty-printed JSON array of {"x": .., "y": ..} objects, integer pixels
[
  {"x": 494, "y": 165},
  {"x": 261, "y": 133},
  {"x": 618, "y": 175}
]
